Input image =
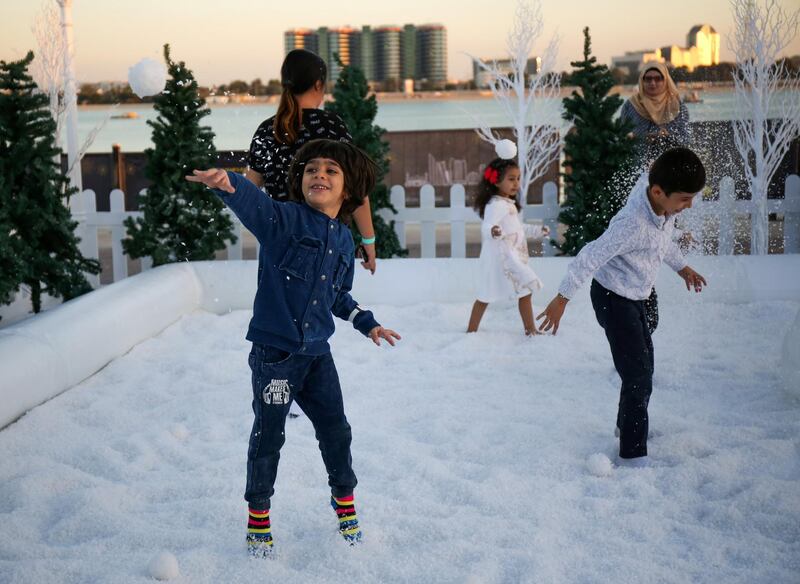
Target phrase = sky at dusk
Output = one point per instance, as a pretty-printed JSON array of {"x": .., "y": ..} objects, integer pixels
[{"x": 243, "y": 39}]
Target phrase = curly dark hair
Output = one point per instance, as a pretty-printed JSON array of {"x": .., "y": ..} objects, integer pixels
[
  {"x": 359, "y": 172},
  {"x": 487, "y": 190}
]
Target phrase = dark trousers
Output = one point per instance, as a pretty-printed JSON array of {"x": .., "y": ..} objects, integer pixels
[
  {"x": 627, "y": 329},
  {"x": 279, "y": 378},
  {"x": 651, "y": 311}
]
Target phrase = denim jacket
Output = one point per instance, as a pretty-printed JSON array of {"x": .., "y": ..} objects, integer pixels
[{"x": 305, "y": 271}]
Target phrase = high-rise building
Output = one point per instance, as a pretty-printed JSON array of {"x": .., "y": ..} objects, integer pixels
[
  {"x": 324, "y": 48},
  {"x": 432, "y": 53},
  {"x": 367, "y": 53},
  {"x": 409, "y": 49},
  {"x": 300, "y": 38},
  {"x": 386, "y": 54},
  {"x": 343, "y": 42}
]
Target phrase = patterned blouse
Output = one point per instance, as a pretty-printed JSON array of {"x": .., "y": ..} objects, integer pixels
[
  {"x": 677, "y": 131},
  {"x": 271, "y": 159}
]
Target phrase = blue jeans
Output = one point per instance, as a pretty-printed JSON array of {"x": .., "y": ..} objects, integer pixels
[
  {"x": 278, "y": 379},
  {"x": 627, "y": 328}
]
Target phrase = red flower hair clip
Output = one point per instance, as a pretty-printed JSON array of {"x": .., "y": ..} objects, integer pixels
[{"x": 491, "y": 175}]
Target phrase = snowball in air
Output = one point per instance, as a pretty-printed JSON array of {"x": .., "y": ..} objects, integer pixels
[
  {"x": 599, "y": 465},
  {"x": 147, "y": 77},
  {"x": 164, "y": 566},
  {"x": 505, "y": 149}
]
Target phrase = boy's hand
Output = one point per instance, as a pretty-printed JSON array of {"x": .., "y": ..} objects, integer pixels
[
  {"x": 553, "y": 313},
  {"x": 692, "y": 279},
  {"x": 213, "y": 178},
  {"x": 379, "y": 333},
  {"x": 545, "y": 230},
  {"x": 496, "y": 231}
]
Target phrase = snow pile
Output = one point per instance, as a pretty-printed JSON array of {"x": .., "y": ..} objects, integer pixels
[
  {"x": 599, "y": 465},
  {"x": 472, "y": 453},
  {"x": 164, "y": 566}
]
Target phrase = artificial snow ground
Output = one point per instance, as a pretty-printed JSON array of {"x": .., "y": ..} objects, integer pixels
[{"x": 471, "y": 452}]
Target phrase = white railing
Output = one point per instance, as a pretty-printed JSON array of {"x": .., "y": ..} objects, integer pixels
[
  {"x": 458, "y": 215},
  {"x": 719, "y": 216},
  {"x": 708, "y": 219}
]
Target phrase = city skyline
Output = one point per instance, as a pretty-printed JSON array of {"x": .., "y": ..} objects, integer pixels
[
  {"x": 246, "y": 41},
  {"x": 386, "y": 54}
]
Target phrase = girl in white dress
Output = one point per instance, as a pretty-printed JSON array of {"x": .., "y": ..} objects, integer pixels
[{"x": 504, "y": 271}]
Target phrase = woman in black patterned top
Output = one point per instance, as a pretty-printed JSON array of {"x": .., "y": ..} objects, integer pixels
[{"x": 297, "y": 121}]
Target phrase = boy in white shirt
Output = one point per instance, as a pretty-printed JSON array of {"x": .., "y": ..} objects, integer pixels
[{"x": 624, "y": 262}]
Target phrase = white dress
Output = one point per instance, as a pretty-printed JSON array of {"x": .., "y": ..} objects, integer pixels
[{"x": 504, "y": 271}]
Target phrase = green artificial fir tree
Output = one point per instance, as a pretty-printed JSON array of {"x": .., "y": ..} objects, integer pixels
[
  {"x": 352, "y": 103},
  {"x": 10, "y": 264},
  {"x": 181, "y": 221},
  {"x": 36, "y": 227},
  {"x": 600, "y": 154}
]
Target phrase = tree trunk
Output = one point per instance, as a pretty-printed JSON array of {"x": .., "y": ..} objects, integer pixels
[{"x": 36, "y": 297}]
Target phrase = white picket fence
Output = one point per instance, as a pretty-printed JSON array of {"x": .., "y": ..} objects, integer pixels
[{"x": 715, "y": 216}]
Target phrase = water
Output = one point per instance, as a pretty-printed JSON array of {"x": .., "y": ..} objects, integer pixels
[{"x": 234, "y": 125}]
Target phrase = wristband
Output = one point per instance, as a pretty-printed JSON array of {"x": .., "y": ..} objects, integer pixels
[{"x": 368, "y": 240}]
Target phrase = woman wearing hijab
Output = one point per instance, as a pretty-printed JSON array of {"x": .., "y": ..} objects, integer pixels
[{"x": 659, "y": 117}]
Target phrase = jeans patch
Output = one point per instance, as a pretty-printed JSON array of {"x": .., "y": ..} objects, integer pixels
[{"x": 276, "y": 393}]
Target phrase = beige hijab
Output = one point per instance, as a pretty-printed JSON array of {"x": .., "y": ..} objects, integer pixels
[{"x": 663, "y": 108}]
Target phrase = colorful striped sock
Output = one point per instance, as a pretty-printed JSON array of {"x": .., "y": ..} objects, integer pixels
[
  {"x": 348, "y": 521},
  {"x": 259, "y": 533}
]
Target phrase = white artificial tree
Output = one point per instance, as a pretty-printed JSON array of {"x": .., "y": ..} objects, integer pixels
[
  {"x": 531, "y": 101},
  {"x": 47, "y": 68},
  {"x": 48, "y": 73},
  {"x": 763, "y": 86}
]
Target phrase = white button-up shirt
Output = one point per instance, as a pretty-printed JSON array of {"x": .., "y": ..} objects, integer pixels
[{"x": 626, "y": 258}]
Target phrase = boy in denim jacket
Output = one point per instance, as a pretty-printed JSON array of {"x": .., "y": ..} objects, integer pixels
[{"x": 305, "y": 273}]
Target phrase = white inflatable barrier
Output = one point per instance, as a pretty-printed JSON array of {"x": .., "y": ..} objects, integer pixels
[
  {"x": 790, "y": 359},
  {"x": 48, "y": 353},
  {"x": 51, "y": 352}
]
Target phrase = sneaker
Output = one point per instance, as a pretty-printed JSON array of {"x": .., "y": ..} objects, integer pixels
[
  {"x": 348, "y": 521},
  {"x": 259, "y": 533}
]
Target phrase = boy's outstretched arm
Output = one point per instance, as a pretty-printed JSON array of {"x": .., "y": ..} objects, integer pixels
[
  {"x": 213, "y": 178},
  {"x": 255, "y": 209},
  {"x": 692, "y": 279},
  {"x": 553, "y": 313}
]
